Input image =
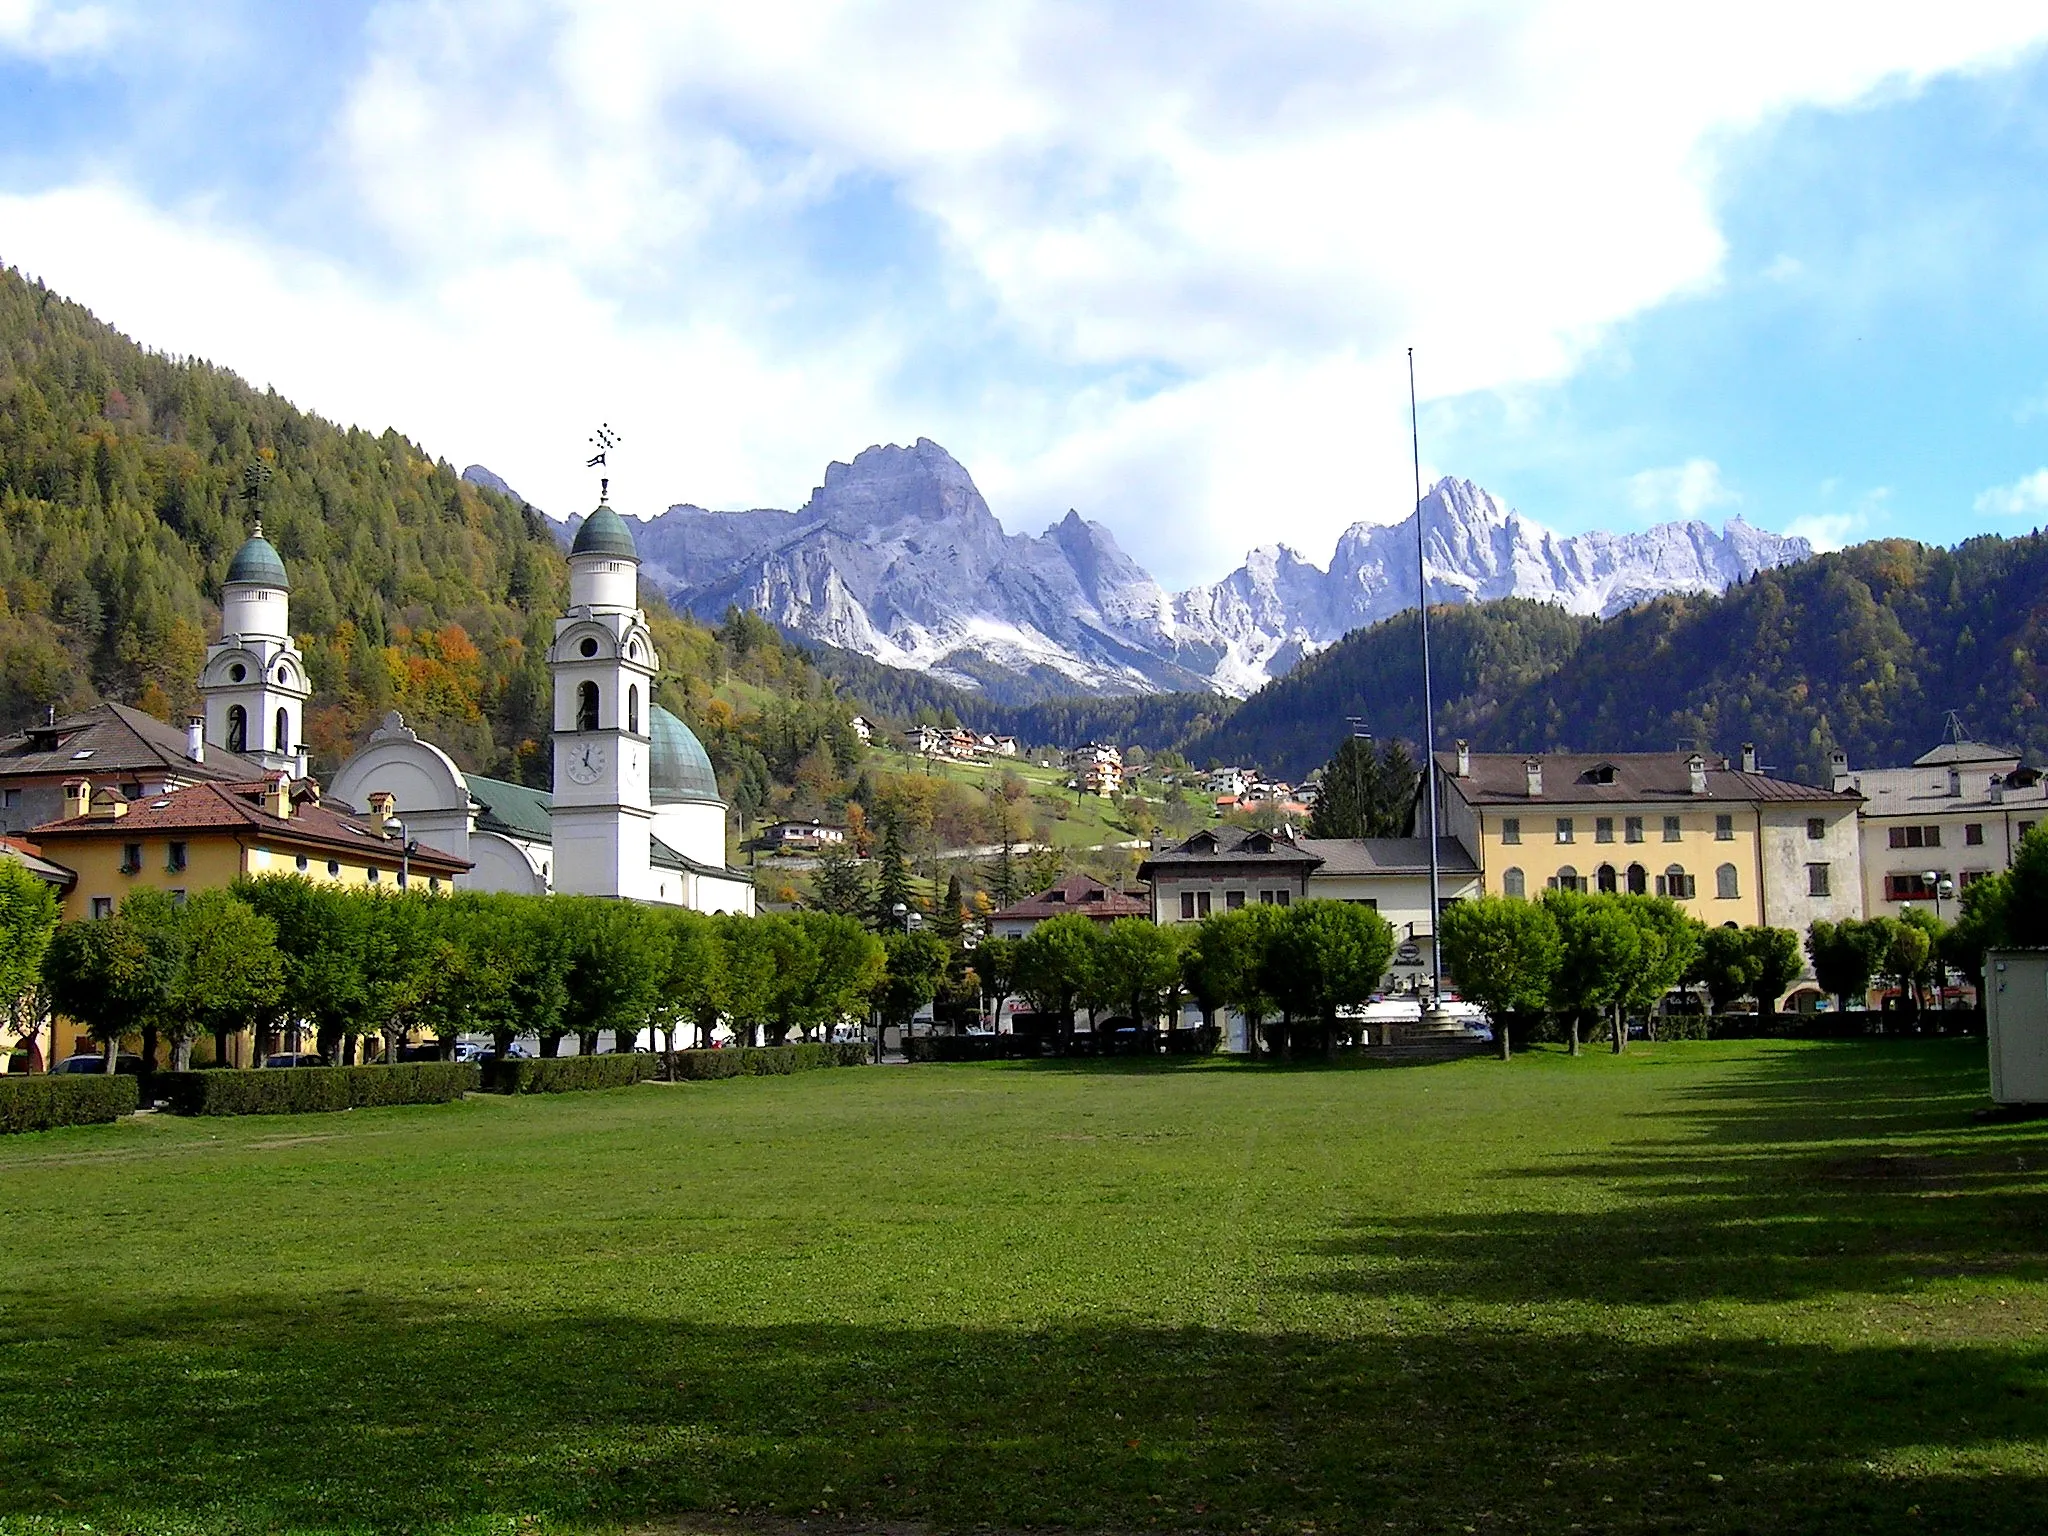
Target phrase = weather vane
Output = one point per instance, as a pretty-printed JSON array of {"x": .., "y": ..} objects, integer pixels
[{"x": 604, "y": 440}]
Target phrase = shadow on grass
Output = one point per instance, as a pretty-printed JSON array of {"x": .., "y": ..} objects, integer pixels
[
  {"x": 338, "y": 1414},
  {"x": 1810, "y": 1173}
]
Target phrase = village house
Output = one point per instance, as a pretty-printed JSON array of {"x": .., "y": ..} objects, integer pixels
[
  {"x": 1082, "y": 894},
  {"x": 806, "y": 836},
  {"x": 1729, "y": 844},
  {"x": 1957, "y": 814}
]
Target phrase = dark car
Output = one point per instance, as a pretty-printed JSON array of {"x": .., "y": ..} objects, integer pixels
[
  {"x": 132, "y": 1065},
  {"x": 295, "y": 1059}
]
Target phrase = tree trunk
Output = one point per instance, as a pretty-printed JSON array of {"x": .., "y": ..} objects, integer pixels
[
  {"x": 149, "y": 1043},
  {"x": 220, "y": 1047},
  {"x": 1330, "y": 1038},
  {"x": 181, "y": 1054},
  {"x": 1575, "y": 1033},
  {"x": 1507, "y": 1044},
  {"x": 1620, "y": 1029},
  {"x": 113, "y": 1050},
  {"x": 551, "y": 1045}
]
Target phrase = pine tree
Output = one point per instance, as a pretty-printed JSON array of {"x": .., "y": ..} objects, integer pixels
[
  {"x": 893, "y": 888},
  {"x": 950, "y": 921},
  {"x": 840, "y": 886},
  {"x": 1366, "y": 792}
]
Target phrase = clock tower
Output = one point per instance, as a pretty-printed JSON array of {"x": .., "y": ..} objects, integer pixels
[{"x": 603, "y": 664}]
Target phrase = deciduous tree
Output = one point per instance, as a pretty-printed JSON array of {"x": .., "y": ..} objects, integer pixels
[{"x": 1502, "y": 951}]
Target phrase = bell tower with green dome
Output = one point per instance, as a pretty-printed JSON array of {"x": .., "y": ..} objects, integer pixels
[
  {"x": 254, "y": 682},
  {"x": 604, "y": 666}
]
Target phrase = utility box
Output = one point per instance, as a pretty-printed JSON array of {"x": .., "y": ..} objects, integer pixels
[{"x": 2016, "y": 1020}]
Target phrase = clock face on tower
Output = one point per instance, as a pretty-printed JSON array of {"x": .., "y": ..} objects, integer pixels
[{"x": 586, "y": 762}]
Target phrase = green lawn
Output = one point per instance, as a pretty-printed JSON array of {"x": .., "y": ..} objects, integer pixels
[{"x": 1744, "y": 1286}]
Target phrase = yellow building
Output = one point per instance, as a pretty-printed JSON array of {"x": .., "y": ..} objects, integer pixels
[
  {"x": 1728, "y": 843},
  {"x": 205, "y": 836}
]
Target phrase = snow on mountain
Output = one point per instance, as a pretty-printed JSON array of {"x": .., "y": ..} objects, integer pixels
[{"x": 898, "y": 557}]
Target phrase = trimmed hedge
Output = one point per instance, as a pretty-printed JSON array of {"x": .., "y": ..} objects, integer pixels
[
  {"x": 313, "y": 1090},
  {"x": 767, "y": 1060},
  {"x": 44, "y": 1102},
  {"x": 569, "y": 1074}
]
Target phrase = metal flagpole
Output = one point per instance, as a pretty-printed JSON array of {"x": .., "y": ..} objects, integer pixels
[{"x": 1436, "y": 964}]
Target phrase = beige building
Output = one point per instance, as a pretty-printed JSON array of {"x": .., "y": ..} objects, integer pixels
[
  {"x": 1958, "y": 814},
  {"x": 1730, "y": 844}
]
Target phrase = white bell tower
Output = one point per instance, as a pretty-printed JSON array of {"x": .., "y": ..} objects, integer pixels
[
  {"x": 604, "y": 666},
  {"x": 254, "y": 680}
]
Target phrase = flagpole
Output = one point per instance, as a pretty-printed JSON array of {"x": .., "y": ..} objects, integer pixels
[{"x": 1436, "y": 964}]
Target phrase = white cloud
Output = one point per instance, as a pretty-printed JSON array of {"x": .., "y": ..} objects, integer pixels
[
  {"x": 2023, "y": 498},
  {"x": 1160, "y": 268},
  {"x": 1826, "y": 530},
  {"x": 42, "y": 31},
  {"x": 1686, "y": 489}
]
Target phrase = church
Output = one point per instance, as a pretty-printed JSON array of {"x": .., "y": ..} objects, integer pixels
[{"x": 636, "y": 811}]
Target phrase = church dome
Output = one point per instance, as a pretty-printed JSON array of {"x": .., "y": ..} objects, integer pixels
[
  {"x": 677, "y": 769},
  {"x": 604, "y": 532},
  {"x": 257, "y": 564}
]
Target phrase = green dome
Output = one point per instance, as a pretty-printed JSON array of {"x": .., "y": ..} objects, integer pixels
[
  {"x": 677, "y": 768},
  {"x": 257, "y": 564},
  {"x": 604, "y": 532}
]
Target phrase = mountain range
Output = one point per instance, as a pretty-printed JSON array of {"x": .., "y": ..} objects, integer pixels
[{"x": 896, "y": 556}]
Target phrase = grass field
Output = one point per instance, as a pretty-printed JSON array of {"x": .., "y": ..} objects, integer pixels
[{"x": 1743, "y": 1286}]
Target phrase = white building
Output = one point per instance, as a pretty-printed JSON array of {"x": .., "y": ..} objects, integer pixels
[
  {"x": 1229, "y": 781},
  {"x": 1958, "y": 814},
  {"x": 636, "y": 811}
]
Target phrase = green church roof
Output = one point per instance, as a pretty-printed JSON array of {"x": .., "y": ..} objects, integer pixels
[
  {"x": 677, "y": 767},
  {"x": 604, "y": 532},
  {"x": 258, "y": 564}
]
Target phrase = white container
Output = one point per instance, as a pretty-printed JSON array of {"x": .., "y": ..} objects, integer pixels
[{"x": 2016, "y": 1020}]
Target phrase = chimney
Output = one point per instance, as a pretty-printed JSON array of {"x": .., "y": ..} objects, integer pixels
[
  {"x": 1955, "y": 782},
  {"x": 1997, "y": 789},
  {"x": 195, "y": 738},
  {"x": 1533, "y": 767},
  {"x": 1696, "y": 773},
  {"x": 77, "y": 799},
  {"x": 1464, "y": 760},
  {"x": 1749, "y": 757},
  {"x": 383, "y": 807},
  {"x": 277, "y": 796},
  {"x": 1838, "y": 771}
]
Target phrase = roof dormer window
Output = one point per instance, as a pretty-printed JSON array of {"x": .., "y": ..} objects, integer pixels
[{"x": 1600, "y": 773}]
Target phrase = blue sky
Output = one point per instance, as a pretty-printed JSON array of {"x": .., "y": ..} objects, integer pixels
[{"x": 1162, "y": 271}]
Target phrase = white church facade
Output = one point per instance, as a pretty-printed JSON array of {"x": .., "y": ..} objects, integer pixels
[{"x": 636, "y": 812}]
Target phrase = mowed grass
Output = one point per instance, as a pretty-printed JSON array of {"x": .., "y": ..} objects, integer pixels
[{"x": 1750, "y": 1286}]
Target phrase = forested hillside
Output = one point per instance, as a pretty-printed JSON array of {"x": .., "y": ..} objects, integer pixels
[
  {"x": 120, "y": 474},
  {"x": 1864, "y": 650}
]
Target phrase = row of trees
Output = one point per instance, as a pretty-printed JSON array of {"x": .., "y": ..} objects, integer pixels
[
  {"x": 1289, "y": 971},
  {"x": 280, "y": 951},
  {"x": 1587, "y": 957},
  {"x": 1580, "y": 957}
]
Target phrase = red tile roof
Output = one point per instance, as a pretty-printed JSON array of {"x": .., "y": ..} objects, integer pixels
[
  {"x": 238, "y": 808},
  {"x": 1077, "y": 893}
]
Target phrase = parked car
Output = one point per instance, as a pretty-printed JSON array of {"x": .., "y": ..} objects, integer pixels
[
  {"x": 295, "y": 1059},
  {"x": 132, "y": 1065}
]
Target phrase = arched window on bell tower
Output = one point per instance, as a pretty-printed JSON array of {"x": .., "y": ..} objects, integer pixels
[
  {"x": 284, "y": 732},
  {"x": 633, "y": 709},
  {"x": 238, "y": 728},
  {"x": 586, "y": 706}
]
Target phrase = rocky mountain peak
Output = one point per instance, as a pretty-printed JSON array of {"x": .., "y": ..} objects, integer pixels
[{"x": 898, "y": 556}]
